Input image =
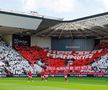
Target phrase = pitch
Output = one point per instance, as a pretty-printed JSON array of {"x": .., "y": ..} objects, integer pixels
[{"x": 58, "y": 83}]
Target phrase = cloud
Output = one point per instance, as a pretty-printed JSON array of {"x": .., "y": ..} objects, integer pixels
[
  {"x": 29, "y": 5},
  {"x": 59, "y": 6},
  {"x": 104, "y": 4}
]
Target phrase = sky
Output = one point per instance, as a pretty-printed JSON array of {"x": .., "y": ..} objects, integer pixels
[{"x": 66, "y": 9}]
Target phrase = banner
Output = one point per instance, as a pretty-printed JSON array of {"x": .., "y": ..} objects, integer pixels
[
  {"x": 69, "y": 68},
  {"x": 77, "y": 55}
]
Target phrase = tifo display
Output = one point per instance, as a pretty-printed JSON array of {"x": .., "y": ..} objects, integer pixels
[{"x": 35, "y": 59}]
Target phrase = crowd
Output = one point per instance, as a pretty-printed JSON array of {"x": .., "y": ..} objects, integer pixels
[
  {"x": 13, "y": 62},
  {"x": 101, "y": 64}
]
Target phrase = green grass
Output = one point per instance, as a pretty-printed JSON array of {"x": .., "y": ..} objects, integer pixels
[{"x": 73, "y": 83}]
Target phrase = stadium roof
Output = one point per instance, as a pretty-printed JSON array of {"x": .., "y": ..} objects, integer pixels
[
  {"x": 12, "y": 22},
  {"x": 95, "y": 26}
]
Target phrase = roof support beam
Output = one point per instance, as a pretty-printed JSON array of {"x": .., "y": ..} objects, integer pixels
[
  {"x": 79, "y": 30},
  {"x": 47, "y": 30},
  {"x": 60, "y": 33},
  {"x": 94, "y": 33}
]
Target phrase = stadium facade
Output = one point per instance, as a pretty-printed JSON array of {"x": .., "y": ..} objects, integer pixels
[
  {"x": 47, "y": 33},
  {"x": 78, "y": 34}
]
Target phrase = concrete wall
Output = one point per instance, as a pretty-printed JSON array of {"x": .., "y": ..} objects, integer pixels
[
  {"x": 7, "y": 39},
  {"x": 57, "y": 44},
  {"x": 44, "y": 42}
]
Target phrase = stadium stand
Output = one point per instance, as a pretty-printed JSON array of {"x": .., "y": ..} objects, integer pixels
[
  {"x": 36, "y": 58},
  {"x": 102, "y": 45},
  {"x": 53, "y": 58},
  {"x": 101, "y": 64},
  {"x": 14, "y": 62}
]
